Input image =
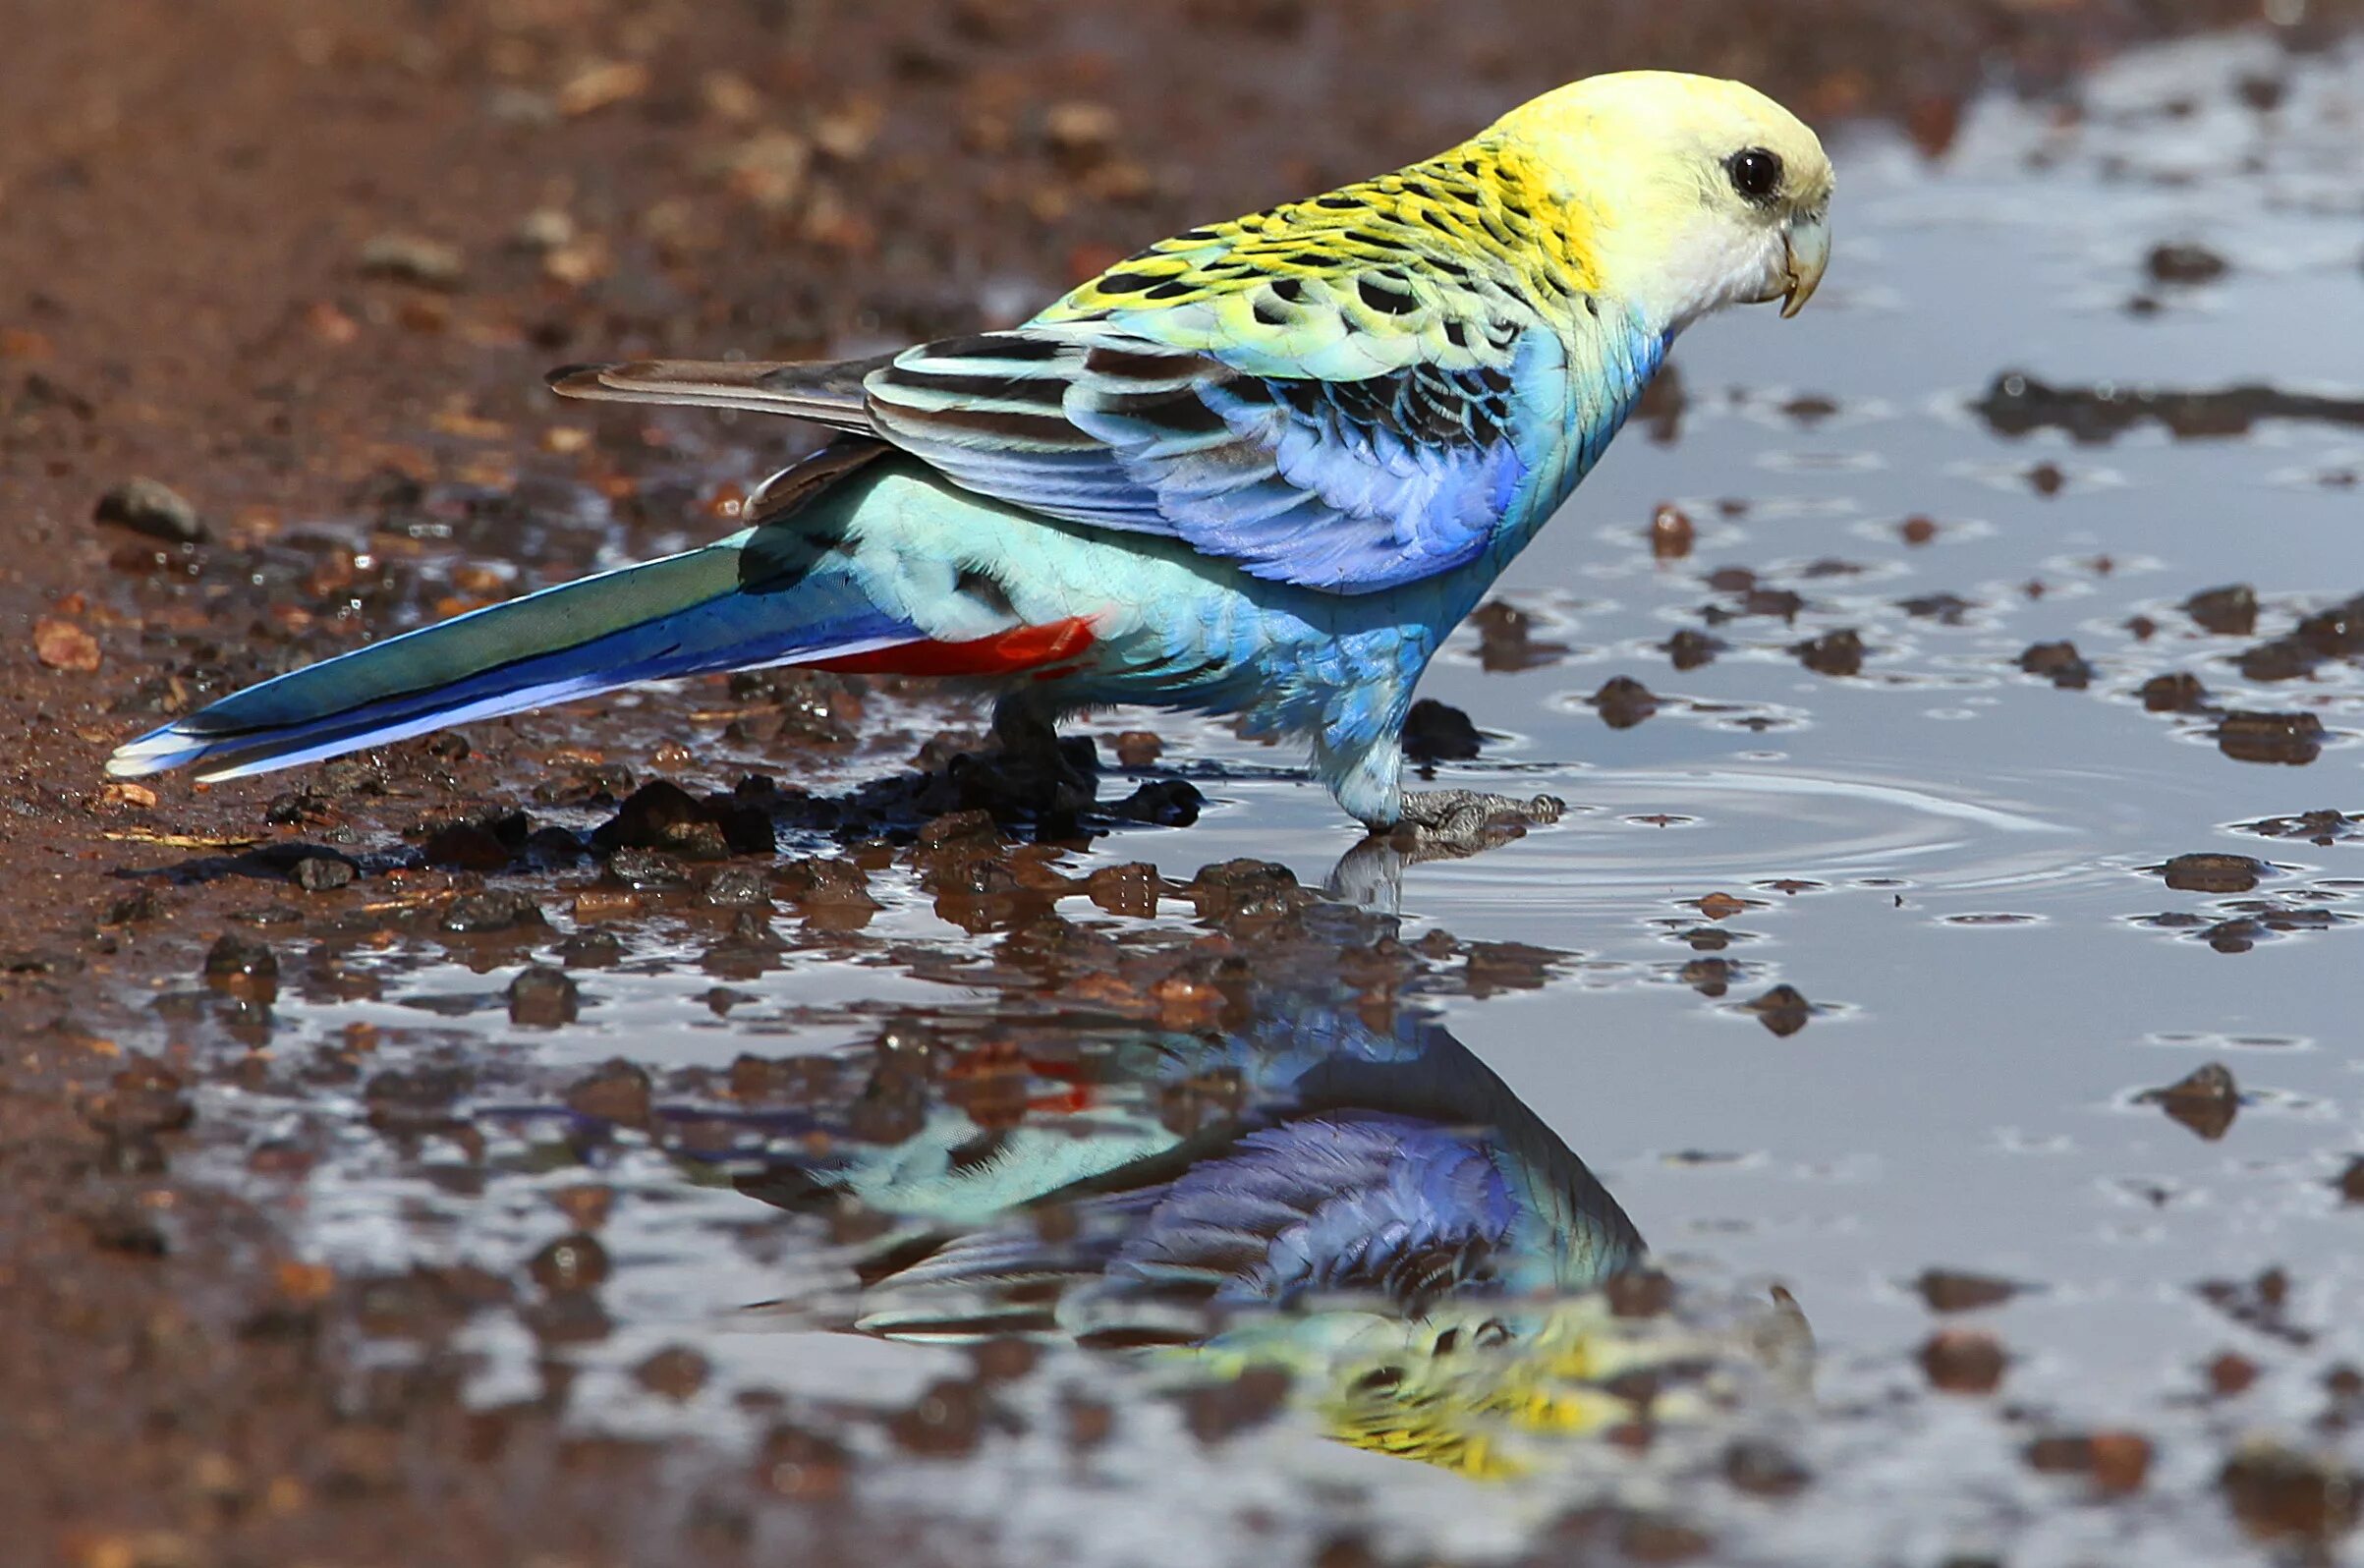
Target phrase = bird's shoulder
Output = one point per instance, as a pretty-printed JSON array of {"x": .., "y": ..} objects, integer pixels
[{"x": 1447, "y": 263}]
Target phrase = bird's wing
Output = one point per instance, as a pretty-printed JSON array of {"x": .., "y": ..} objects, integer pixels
[{"x": 1348, "y": 393}]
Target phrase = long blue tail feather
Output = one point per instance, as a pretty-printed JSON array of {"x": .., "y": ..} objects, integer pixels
[{"x": 686, "y": 614}]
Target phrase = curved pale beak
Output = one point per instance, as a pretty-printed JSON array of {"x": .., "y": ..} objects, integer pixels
[{"x": 1808, "y": 245}]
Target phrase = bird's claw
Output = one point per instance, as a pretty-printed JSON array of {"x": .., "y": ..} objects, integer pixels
[{"x": 1464, "y": 821}]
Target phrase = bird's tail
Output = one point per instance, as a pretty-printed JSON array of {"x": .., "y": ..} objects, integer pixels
[{"x": 733, "y": 604}]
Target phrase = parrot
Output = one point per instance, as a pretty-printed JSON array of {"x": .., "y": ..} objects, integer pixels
[{"x": 1259, "y": 470}]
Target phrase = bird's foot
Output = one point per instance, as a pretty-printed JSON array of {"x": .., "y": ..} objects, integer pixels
[{"x": 1463, "y": 822}]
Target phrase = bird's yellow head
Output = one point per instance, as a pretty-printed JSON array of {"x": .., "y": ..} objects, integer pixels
[{"x": 1690, "y": 192}]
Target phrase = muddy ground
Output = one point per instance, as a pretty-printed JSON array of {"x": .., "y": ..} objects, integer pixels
[{"x": 303, "y": 262}]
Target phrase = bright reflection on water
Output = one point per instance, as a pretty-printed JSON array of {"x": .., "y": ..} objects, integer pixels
[{"x": 1358, "y": 1165}]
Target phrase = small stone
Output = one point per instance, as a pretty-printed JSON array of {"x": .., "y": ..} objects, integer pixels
[
  {"x": 1963, "y": 1360},
  {"x": 467, "y": 847},
  {"x": 1623, "y": 703},
  {"x": 570, "y": 1263},
  {"x": 1160, "y": 803},
  {"x": 2350, "y": 1185},
  {"x": 321, "y": 874},
  {"x": 145, "y": 505},
  {"x": 2059, "y": 663},
  {"x": 802, "y": 1465},
  {"x": 2178, "y": 693},
  {"x": 495, "y": 910},
  {"x": 415, "y": 260},
  {"x": 2229, "y": 612},
  {"x": 1689, "y": 649},
  {"x": 1130, "y": 889},
  {"x": 542, "y": 997},
  {"x": 2290, "y": 739},
  {"x": 1720, "y": 906},
  {"x": 2206, "y": 1101},
  {"x": 676, "y": 1372},
  {"x": 2210, "y": 873},
  {"x": 738, "y": 888},
  {"x": 2280, "y": 1494},
  {"x": 1671, "y": 532},
  {"x": 242, "y": 967},
  {"x": 1435, "y": 732},
  {"x": 2116, "y": 1461},
  {"x": 1917, "y": 530},
  {"x": 1783, "y": 1010},
  {"x": 2185, "y": 264},
  {"x": 945, "y": 1421},
  {"x": 63, "y": 646},
  {"x": 1138, "y": 749},
  {"x": 2230, "y": 1374},
  {"x": 617, "y": 1091},
  {"x": 1832, "y": 654},
  {"x": 1764, "y": 1468},
  {"x": 1949, "y": 1290},
  {"x": 600, "y": 83}
]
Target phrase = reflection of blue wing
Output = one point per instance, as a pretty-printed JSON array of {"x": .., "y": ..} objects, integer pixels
[
  {"x": 1392, "y": 1164},
  {"x": 1376, "y": 1204}
]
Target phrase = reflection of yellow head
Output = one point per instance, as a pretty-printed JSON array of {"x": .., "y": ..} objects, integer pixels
[
  {"x": 1479, "y": 1389},
  {"x": 1464, "y": 1388}
]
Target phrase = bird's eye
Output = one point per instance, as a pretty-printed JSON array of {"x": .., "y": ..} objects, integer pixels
[{"x": 1755, "y": 172}]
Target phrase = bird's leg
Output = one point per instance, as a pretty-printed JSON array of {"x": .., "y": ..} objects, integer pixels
[
  {"x": 1450, "y": 821},
  {"x": 1059, "y": 775}
]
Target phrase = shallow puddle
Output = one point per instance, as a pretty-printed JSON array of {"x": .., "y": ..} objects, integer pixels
[{"x": 994, "y": 1197}]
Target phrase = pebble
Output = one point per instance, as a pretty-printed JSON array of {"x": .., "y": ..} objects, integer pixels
[
  {"x": 2186, "y": 262},
  {"x": 2290, "y": 739},
  {"x": 1783, "y": 1010},
  {"x": 495, "y": 910},
  {"x": 1949, "y": 1290},
  {"x": 616, "y": 1091},
  {"x": 2176, "y": 692},
  {"x": 1623, "y": 701},
  {"x": 2278, "y": 1494},
  {"x": 2212, "y": 872},
  {"x": 2205, "y": 1099},
  {"x": 1837, "y": 652},
  {"x": 570, "y": 1263},
  {"x": 2229, "y": 611},
  {"x": 242, "y": 967},
  {"x": 542, "y": 997},
  {"x": 1435, "y": 732},
  {"x": 2059, "y": 663},
  {"x": 151, "y": 507},
  {"x": 1138, "y": 749},
  {"x": 321, "y": 873},
  {"x": 415, "y": 260},
  {"x": 1671, "y": 532},
  {"x": 1963, "y": 1360}
]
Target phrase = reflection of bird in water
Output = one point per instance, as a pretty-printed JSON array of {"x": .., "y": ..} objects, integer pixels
[{"x": 1372, "y": 1210}]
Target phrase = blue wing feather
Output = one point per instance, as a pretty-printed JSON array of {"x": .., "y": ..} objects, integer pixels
[{"x": 1351, "y": 487}]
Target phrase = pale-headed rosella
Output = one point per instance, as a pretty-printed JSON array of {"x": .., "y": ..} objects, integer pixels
[{"x": 1261, "y": 469}]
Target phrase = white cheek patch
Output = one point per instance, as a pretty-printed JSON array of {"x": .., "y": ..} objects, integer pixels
[{"x": 1717, "y": 265}]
